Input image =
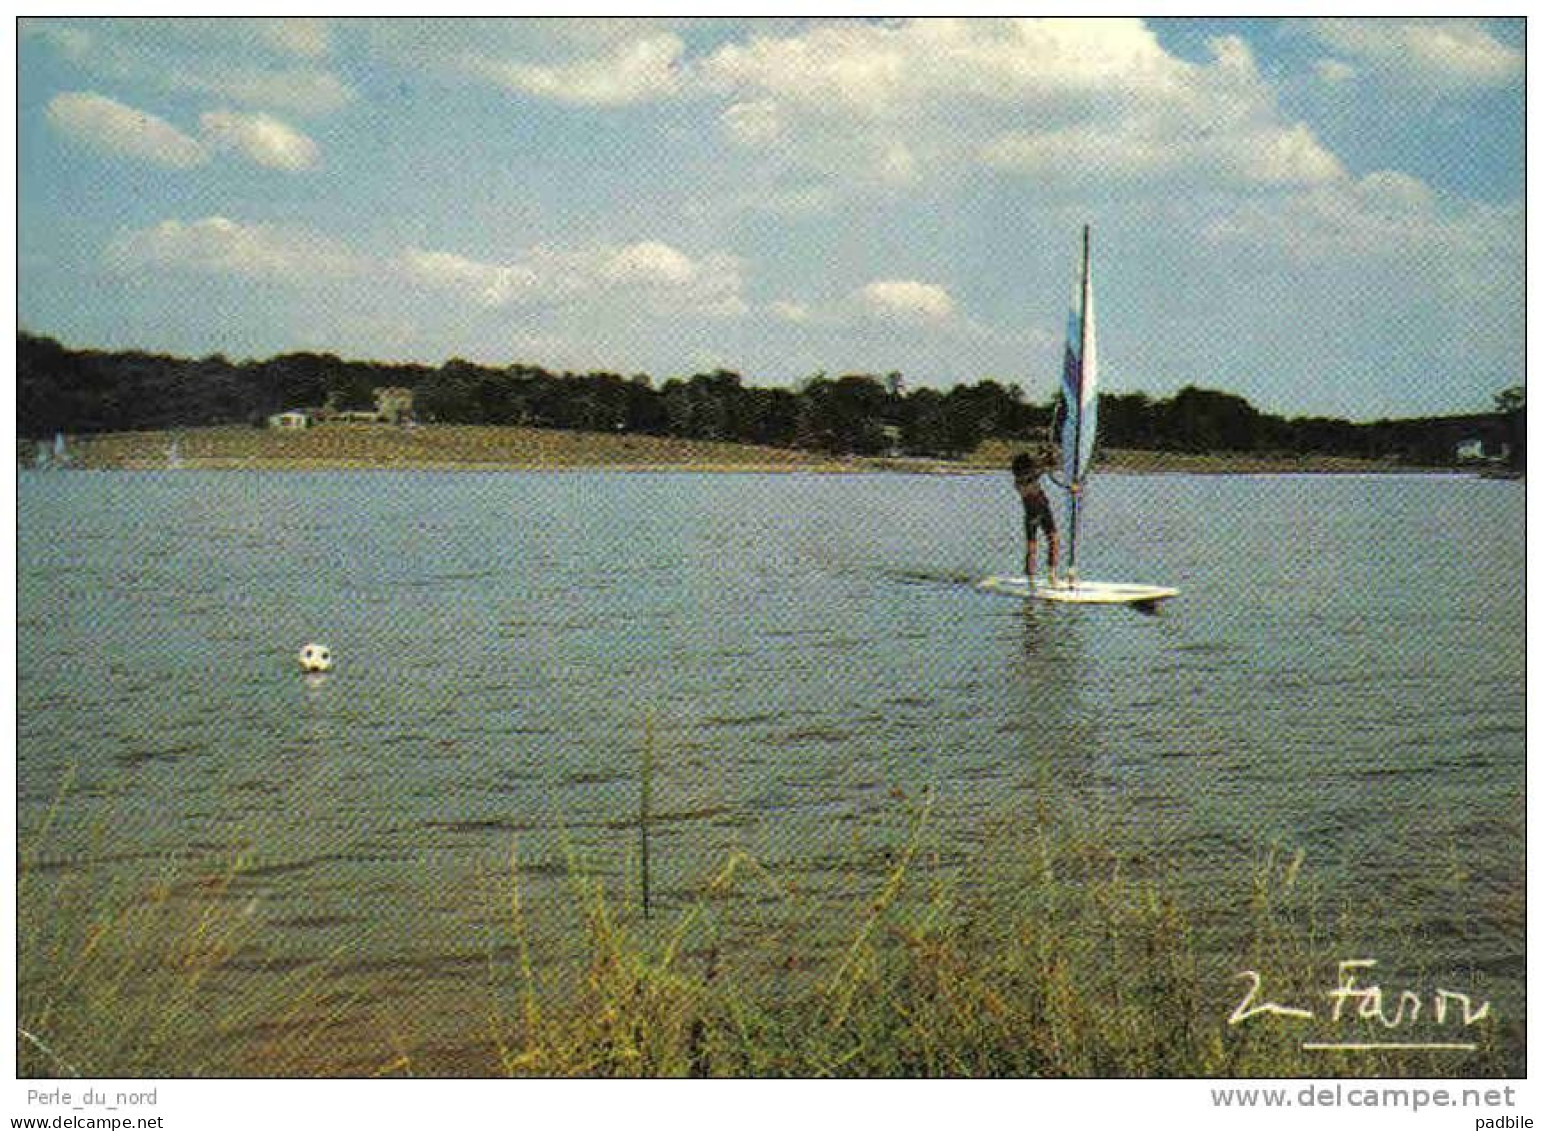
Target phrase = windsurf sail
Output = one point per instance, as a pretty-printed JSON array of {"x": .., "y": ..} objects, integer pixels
[
  {"x": 1075, "y": 430},
  {"x": 1079, "y": 395}
]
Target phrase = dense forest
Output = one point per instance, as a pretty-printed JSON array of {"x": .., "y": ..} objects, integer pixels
[{"x": 83, "y": 391}]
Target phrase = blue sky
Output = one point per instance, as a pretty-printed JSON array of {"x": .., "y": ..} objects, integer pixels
[{"x": 1324, "y": 216}]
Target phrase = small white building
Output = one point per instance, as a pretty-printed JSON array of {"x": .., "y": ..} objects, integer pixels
[
  {"x": 1477, "y": 451},
  {"x": 393, "y": 404},
  {"x": 294, "y": 418}
]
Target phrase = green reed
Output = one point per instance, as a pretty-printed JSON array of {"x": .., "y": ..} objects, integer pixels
[
  {"x": 1065, "y": 949},
  {"x": 1069, "y": 944},
  {"x": 124, "y": 970},
  {"x": 645, "y": 789}
]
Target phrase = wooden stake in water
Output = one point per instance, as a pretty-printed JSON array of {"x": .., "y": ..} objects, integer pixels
[{"x": 643, "y": 801}]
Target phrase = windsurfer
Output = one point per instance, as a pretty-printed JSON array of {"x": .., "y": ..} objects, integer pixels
[{"x": 1037, "y": 517}]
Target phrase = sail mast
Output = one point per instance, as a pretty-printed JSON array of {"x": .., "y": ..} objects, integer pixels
[{"x": 1079, "y": 410}]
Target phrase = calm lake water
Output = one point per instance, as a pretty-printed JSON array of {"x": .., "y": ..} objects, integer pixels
[{"x": 1343, "y": 674}]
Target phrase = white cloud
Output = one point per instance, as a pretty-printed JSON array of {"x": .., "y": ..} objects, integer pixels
[
  {"x": 1334, "y": 71},
  {"x": 582, "y": 62},
  {"x": 1384, "y": 216},
  {"x": 648, "y": 263},
  {"x": 633, "y": 72},
  {"x": 115, "y": 128},
  {"x": 906, "y": 300},
  {"x": 1063, "y": 99},
  {"x": 879, "y": 71},
  {"x": 273, "y": 64},
  {"x": 263, "y": 139},
  {"x": 218, "y": 246},
  {"x": 486, "y": 284},
  {"x": 1282, "y": 156},
  {"x": 298, "y": 91},
  {"x": 1439, "y": 55},
  {"x": 790, "y": 311},
  {"x": 304, "y": 37},
  {"x": 1269, "y": 155},
  {"x": 667, "y": 279},
  {"x": 646, "y": 276},
  {"x": 753, "y": 123}
]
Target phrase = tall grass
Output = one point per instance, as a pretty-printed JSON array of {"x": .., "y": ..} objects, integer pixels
[
  {"x": 1066, "y": 946},
  {"x": 645, "y": 791},
  {"x": 111, "y": 975},
  {"x": 122, "y": 967},
  {"x": 1063, "y": 951}
]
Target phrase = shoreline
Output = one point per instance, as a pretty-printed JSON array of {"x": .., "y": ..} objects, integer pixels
[
  {"x": 470, "y": 448},
  {"x": 1057, "y": 912}
]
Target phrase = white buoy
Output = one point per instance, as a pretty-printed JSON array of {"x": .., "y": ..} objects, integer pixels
[{"x": 316, "y": 658}]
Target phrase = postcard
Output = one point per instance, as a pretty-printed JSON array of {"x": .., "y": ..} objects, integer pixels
[{"x": 771, "y": 549}]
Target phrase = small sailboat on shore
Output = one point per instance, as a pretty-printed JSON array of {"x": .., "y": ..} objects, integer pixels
[{"x": 47, "y": 457}]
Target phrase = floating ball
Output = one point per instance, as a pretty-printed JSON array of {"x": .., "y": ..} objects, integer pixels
[{"x": 316, "y": 658}]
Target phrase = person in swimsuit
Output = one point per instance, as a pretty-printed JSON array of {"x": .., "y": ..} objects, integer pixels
[{"x": 1037, "y": 516}]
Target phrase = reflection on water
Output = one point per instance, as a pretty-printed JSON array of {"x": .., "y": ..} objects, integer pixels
[{"x": 805, "y": 647}]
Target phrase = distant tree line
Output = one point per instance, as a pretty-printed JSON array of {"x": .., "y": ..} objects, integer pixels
[{"x": 82, "y": 391}]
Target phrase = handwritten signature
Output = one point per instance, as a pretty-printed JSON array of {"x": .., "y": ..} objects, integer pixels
[{"x": 1351, "y": 998}]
